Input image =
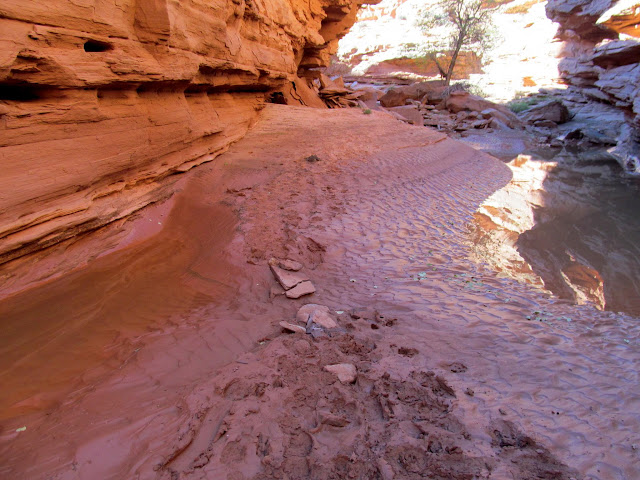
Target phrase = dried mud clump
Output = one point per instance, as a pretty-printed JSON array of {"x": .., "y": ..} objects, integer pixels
[{"x": 531, "y": 459}]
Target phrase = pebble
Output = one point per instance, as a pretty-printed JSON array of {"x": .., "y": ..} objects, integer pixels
[{"x": 346, "y": 372}]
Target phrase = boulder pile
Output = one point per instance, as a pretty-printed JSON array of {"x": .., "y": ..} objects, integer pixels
[
  {"x": 602, "y": 70},
  {"x": 434, "y": 105}
]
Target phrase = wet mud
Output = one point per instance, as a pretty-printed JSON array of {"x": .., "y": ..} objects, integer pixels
[{"x": 461, "y": 372}]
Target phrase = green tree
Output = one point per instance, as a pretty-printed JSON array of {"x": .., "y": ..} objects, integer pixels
[{"x": 467, "y": 22}]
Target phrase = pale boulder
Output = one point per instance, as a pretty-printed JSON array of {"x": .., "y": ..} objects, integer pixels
[{"x": 319, "y": 314}]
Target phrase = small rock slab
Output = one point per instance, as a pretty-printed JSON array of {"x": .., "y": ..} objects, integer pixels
[
  {"x": 409, "y": 113},
  {"x": 346, "y": 372},
  {"x": 293, "y": 328},
  {"x": 288, "y": 279},
  {"x": 304, "y": 288},
  {"x": 286, "y": 264},
  {"x": 320, "y": 315}
]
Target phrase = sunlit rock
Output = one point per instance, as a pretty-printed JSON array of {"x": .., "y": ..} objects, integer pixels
[
  {"x": 102, "y": 102},
  {"x": 623, "y": 17}
]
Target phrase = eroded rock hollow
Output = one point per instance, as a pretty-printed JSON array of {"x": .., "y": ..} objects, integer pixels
[{"x": 102, "y": 102}]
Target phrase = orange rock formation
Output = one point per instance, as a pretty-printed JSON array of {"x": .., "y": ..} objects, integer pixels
[{"x": 102, "y": 102}]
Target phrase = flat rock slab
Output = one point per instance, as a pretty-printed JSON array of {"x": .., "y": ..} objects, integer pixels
[
  {"x": 320, "y": 315},
  {"x": 346, "y": 372},
  {"x": 304, "y": 288},
  {"x": 293, "y": 328},
  {"x": 288, "y": 279},
  {"x": 410, "y": 113},
  {"x": 286, "y": 264}
]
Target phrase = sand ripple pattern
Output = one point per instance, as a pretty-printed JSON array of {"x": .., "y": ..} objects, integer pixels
[
  {"x": 381, "y": 222},
  {"x": 567, "y": 374}
]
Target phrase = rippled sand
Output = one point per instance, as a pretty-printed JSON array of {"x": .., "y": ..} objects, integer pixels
[{"x": 164, "y": 358}]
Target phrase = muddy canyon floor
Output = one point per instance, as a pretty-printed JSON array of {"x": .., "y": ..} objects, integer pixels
[{"x": 163, "y": 356}]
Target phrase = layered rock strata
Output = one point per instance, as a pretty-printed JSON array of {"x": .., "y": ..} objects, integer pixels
[
  {"x": 101, "y": 103},
  {"x": 603, "y": 67}
]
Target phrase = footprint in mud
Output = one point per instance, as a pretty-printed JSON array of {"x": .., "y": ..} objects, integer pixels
[
  {"x": 296, "y": 453},
  {"x": 239, "y": 388},
  {"x": 392, "y": 423},
  {"x": 527, "y": 459},
  {"x": 407, "y": 352},
  {"x": 233, "y": 452},
  {"x": 457, "y": 367}
]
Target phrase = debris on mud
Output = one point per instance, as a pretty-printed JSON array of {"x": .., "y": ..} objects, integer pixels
[{"x": 376, "y": 420}]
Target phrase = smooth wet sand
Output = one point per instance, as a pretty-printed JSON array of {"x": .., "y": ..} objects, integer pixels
[{"x": 128, "y": 367}]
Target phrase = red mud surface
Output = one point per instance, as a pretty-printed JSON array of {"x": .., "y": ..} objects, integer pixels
[{"x": 161, "y": 356}]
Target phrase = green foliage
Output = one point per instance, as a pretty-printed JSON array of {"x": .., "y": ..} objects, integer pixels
[
  {"x": 466, "y": 87},
  {"x": 521, "y": 103},
  {"x": 367, "y": 111},
  {"x": 476, "y": 90},
  {"x": 466, "y": 23}
]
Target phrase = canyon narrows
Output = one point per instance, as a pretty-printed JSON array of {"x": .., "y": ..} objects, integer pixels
[{"x": 198, "y": 283}]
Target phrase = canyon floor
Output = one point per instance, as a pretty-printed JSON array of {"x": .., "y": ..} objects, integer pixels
[{"x": 161, "y": 356}]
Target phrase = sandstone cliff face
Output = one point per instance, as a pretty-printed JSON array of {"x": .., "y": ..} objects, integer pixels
[
  {"x": 101, "y": 102},
  {"x": 622, "y": 17},
  {"x": 601, "y": 66}
]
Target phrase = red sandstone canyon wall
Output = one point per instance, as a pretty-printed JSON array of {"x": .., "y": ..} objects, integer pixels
[{"x": 102, "y": 101}]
